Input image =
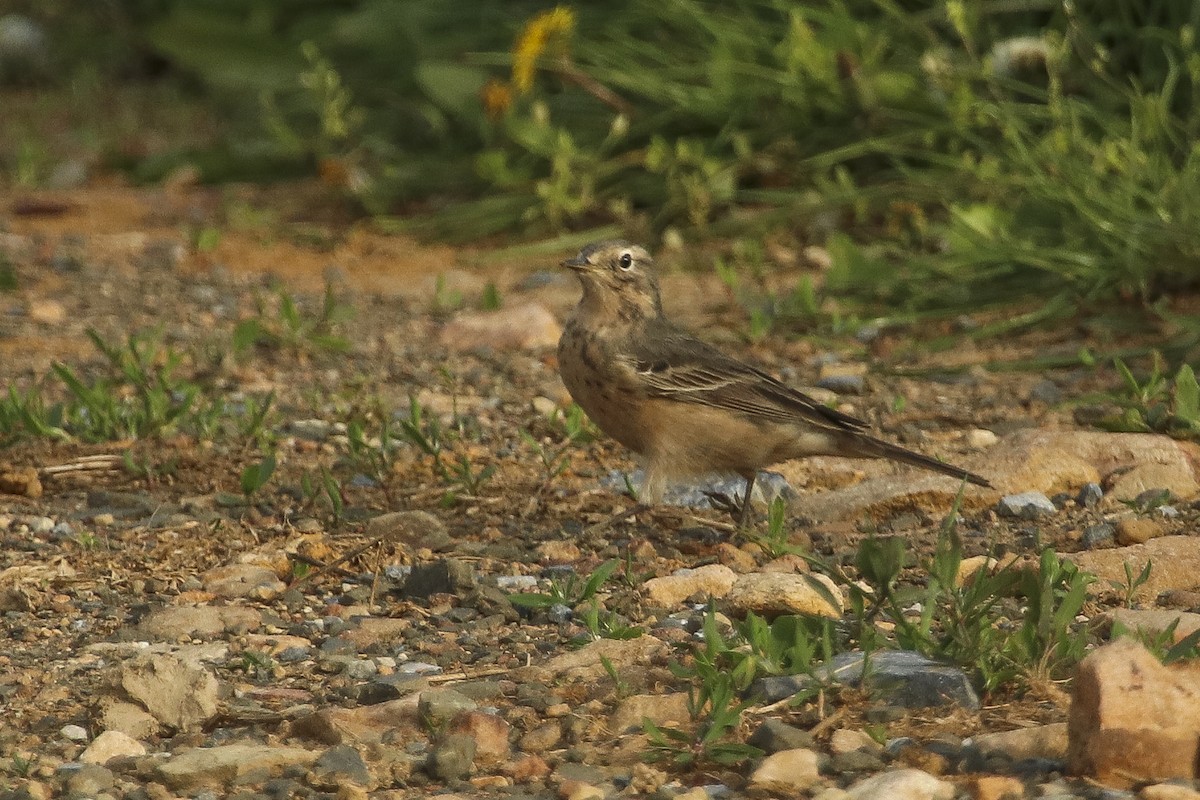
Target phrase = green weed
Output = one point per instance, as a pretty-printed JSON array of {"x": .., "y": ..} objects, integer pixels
[
  {"x": 287, "y": 327},
  {"x": 570, "y": 590},
  {"x": 1158, "y": 403},
  {"x": 255, "y": 476}
]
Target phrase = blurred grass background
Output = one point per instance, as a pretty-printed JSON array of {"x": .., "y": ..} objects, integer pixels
[{"x": 931, "y": 155}]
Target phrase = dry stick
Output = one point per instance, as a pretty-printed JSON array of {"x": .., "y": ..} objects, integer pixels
[
  {"x": 572, "y": 73},
  {"x": 827, "y": 723},
  {"x": 341, "y": 560},
  {"x": 99, "y": 463},
  {"x": 450, "y": 677}
]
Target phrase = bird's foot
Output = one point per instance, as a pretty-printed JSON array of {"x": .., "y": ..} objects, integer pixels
[{"x": 740, "y": 511}]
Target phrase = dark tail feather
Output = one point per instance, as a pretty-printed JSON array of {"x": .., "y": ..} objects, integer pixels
[{"x": 870, "y": 447}]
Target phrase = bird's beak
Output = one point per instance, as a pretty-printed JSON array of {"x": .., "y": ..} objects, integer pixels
[{"x": 578, "y": 263}]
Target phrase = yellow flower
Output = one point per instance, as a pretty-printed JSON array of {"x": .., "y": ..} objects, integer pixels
[
  {"x": 496, "y": 96},
  {"x": 545, "y": 32}
]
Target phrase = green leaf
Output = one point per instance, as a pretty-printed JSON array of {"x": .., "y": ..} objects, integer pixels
[
  {"x": 255, "y": 476},
  {"x": 454, "y": 88},
  {"x": 1187, "y": 396}
]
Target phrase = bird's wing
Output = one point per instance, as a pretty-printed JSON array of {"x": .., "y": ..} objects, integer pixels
[{"x": 674, "y": 365}]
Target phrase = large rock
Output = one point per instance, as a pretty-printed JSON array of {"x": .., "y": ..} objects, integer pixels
[
  {"x": 1133, "y": 720},
  {"x": 714, "y": 580},
  {"x": 217, "y": 766},
  {"x": 899, "y": 677},
  {"x": 902, "y": 784},
  {"x": 177, "y": 623},
  {"x": 1176, "y": 564},
  {"x": 364, "y": 724},
  {"x": 770, "y": 594},
  {"x": 786, "y": 773},
  {"x": 179, "y": 695},
  {"x": 586, "y": 664},
  {"x": 1039, "y": 741},
  {"x": 1036, "y": 460}
]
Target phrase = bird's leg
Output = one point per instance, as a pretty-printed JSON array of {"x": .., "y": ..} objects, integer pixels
[{"x": 746, "y": 513}]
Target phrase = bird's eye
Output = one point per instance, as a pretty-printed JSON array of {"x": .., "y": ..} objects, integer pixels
[{"x": 626, "y": 261}]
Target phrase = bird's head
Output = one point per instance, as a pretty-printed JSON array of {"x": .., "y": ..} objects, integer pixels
[{"x": 617, "y": 275}]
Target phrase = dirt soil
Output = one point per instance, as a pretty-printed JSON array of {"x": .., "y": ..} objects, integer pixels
[{"x": 116, "y": 540}]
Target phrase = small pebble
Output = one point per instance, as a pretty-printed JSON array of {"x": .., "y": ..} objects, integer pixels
[
  {"x": 1046, "y": 391},
  {"x": 1090, "y": 495},
  {"x": 75, "y": 733},
  {"x": 1098, "y": 535},
  {"x": 1026, "y": 505},
  {"x": 981, "y": 438}
]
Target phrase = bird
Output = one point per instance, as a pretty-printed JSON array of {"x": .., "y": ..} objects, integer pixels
[{"x": 683, "y": 406}]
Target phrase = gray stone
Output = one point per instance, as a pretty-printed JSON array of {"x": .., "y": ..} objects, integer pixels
[
  {"x": 439, "y": 706},
  {"x": 856, "y": 761},
  {"x": 1090, "y": 495},
  {"x": 446, "y": 576},
  {"x": 89, "y": 780},
  {"x": 900, "y": 677},
  {"x": 1098, "y": 535},
  {"x": 453, "y": 758},
  {"x": 1026, "y": 505},
  {"x": 338, "y": 765},
  {"x": 1046, "y": 391},
  {"x": 774, "y": 735},
  {"x": 842, "y": 383}
]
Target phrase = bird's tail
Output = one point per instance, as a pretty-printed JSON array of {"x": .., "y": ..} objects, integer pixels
[{"x": 865, "y": 446}]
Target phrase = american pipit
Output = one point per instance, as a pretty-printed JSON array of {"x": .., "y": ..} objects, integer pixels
[{"x": 682, "y": 405}]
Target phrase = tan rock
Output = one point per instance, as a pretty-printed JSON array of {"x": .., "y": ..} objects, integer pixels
[
  {"x": 540, "y": 739},
  {"x": 47, "y": 312},
  {"x": 490, "y": 733},
  {"x": 558, "y": 552},
  {"x": 585, "y": 663},
  {"x": 1132, "y": 719},
  {"x": 109, "y": 745},
  {"x": 788, "y": 562},
  {"x": 1035, "y": 460},
  {"x": 175, "y": 623},
  {"x": 527, "y": 768},
  {"x": 178, "y": 694},
  {"x": 578, "y": 790},
  {"x": 786, "y": 772},
  {"x": 21, "y": 481},
  {"x": 1039, "y": 741},
  {"x": 216, "y": 766},
  {"x": 736, "y": 558},
  {"x": 1176, "y": 564},
  {"x": 1154, "y": 620},
  {"x": 848, "y": 740},
  {"x": 127, "y": 718},
  {"x": 412, "y": 528},
  {"x": 1177, "y": 478},
  {"x": 661, "y": 709},
  {"x": 902, "y": 784},
  {"x": 1168, "y": 791},
  {"x": 770, "y": 594},
  {"x": 364, "y": 724},
  {"x": 1136, "y": 530},
  {"x": 243, "y": 580},
  {"x": 996, "y": 787},
  {"x": 714, "y": 580}
]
